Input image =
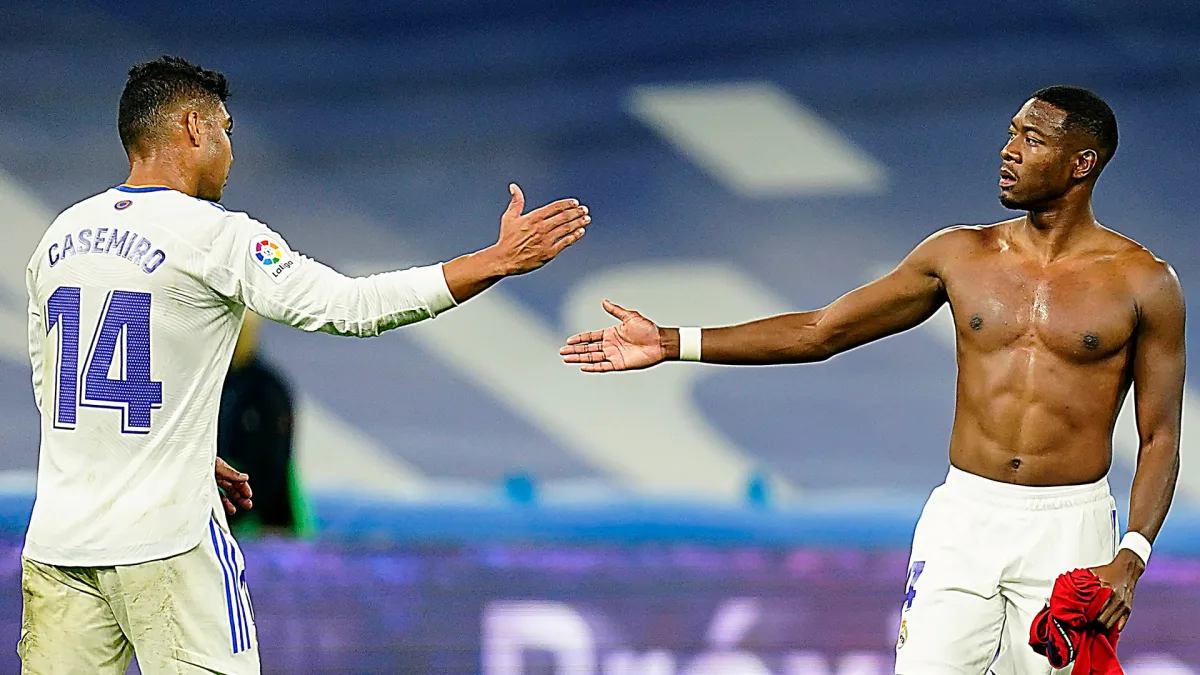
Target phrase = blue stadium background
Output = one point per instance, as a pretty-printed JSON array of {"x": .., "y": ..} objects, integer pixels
[{"x": 376, "y": 134}]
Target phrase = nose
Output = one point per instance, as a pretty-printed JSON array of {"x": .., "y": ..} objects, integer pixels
[{"x": 1009, "y": 152}]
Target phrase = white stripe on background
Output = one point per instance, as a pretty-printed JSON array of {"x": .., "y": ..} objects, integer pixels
[
  {"x": 642, "y": 428},
  {"x": 757, "y": 140}
]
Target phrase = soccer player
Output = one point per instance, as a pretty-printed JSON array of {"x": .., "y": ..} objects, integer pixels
[
  {"x": 1056, "y": 317},
  {"x": 136, "y": 297}
]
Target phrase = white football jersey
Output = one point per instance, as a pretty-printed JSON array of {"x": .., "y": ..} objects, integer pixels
[{"x": 136, "y": 297}]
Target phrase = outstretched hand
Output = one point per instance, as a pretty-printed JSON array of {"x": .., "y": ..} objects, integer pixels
[
  {"x": 631, "y": 345},
  {"x": 530, "y": 240},
  {"x": 234, "y": 488}
]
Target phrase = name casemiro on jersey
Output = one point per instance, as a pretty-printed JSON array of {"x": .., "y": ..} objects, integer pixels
[{"x": 109, "y": 241}]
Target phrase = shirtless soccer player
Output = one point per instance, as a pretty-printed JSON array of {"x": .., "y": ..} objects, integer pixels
[
  {"x": 1056, "y": 317},
  {"x": 136, "y": 297}
]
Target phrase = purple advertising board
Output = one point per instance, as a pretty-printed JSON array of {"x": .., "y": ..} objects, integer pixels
[{"x": 628, "y": 610}]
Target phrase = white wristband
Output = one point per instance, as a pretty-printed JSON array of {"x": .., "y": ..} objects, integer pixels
[
  {"x": 689, "y": 343},
  {"x": 1134, "y": 541}
]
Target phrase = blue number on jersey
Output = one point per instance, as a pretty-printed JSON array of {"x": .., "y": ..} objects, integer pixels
[
  {"x": 123, "y": 331},
  {"x": 914, "y": 573},
  {"x": 62, "y": 309}
]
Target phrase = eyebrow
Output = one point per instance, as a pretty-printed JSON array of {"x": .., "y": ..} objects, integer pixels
[{"x": 1026, "y": 127}]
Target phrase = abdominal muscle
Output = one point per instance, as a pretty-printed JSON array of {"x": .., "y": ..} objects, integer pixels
[{"x": 1031, "y": 417}]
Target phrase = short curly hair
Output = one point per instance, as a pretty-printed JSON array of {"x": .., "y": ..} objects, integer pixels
[
  {"x": 154, "y": 87},
  {"x": 1087, "y": 113}
]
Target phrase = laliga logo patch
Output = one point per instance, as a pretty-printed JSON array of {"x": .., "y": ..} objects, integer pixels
[
  {"x": 903, "y": 634},
  {"x": 271, "y": 258},
  {"x": 267, "y": 252}
]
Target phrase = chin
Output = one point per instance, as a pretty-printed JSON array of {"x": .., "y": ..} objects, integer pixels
[{"x": 1010, "y": 202}]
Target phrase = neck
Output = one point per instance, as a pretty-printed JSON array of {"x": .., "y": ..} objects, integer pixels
[
  {"x": 1051, "y": 229},
  {"x": 155, "y": 170}
]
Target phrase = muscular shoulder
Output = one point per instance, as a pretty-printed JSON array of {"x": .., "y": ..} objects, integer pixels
[
  {"x": 1152, "y": 280},
  {"x": 951, "y": 243}
]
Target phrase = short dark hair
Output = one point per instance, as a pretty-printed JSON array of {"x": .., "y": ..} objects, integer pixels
[
  {"x": 1086, "y": 112},
  {"x": 155, "y": 86}
]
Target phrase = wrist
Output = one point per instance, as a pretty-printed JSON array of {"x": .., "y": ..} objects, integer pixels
[
  {"x": 495, "y": 263},
  {"x": 1130, "y": 562},
  {"x": 1136, "y": 544},
  {"x": 668, "y": 340}
]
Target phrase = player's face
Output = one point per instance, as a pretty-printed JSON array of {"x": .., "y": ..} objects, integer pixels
[
  {"x": 217, "y": 157},
  {"x": 1040, "y": 161}
]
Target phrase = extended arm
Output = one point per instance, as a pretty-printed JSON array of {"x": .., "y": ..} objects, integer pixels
[
  {"x": 896, "y": 302},
  {"x": 254, "y": 266}
]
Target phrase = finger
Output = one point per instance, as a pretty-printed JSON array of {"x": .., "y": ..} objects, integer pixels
[
  {"x": 618, "y": 311},
  {"x": 567, "y": 241},
  {"x": 561, "y": 233},
  {"x": 517, "y": 204},
  {"x": 1106, "y": 610},
  {"x": 226, "y": 472},
  {"x": 243, "y": 490},
  {"x": 553, "y": 209},
  {"x": 605, "y": 367},
  {"x": 582, "y": 348},
  {"x": 590, "y": 336},
  {"x": 567, "y": 229},
  {"x": 591, "y": 357},
  {"x": 230, "y": 509},
  {"x": 563, "y": 221},
  {"x": 1111, "y": 612},
  {"x": 1122, "y": 622}
]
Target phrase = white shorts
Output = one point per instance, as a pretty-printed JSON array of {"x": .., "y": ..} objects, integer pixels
[
  {"x": 984, "y": 559},
  {"x": 187, "y": 614}
]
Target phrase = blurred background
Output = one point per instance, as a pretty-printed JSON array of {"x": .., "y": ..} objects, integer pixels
[{"x": 449, "y": 498}]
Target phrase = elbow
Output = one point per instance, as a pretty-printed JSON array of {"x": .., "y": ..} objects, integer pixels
[
  {"x": 347, "y": 311},
  {"x": 818, "y": 352},
  {"x": 819, "y": 342},
  {"x": 1160, "y": 444}
]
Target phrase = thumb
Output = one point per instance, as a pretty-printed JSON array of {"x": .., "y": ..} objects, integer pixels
[
  {"x": 618, "y": 311},
  {"x": 517, "y": 204}
]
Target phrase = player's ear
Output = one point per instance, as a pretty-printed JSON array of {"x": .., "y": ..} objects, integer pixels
[
  {"x": 192, "y": 122},
  {"x": 1085, "y": 164}
]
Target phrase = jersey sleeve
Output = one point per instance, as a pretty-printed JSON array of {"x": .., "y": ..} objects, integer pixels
[
  {"x": 37, "y": 338},
  {"x": 252, "y": 265}
]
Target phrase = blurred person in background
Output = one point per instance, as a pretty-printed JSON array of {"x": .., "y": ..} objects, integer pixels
[
  {"x": 1057, "y": 317},
  {"x": 254, "y": 434}
]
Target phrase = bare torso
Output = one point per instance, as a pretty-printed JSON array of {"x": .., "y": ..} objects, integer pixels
[{"x": 1044, "y": 353}]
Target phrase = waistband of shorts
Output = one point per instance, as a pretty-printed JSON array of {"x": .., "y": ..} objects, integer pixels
[{"x": 969, "y": 486}]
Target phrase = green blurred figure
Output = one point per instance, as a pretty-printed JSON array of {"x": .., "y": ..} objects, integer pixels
[{"x": 254, "y": 434}]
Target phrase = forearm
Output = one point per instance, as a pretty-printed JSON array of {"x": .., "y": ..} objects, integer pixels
[
  {"x": 472, "y": 274},
  {"x": 320, "y": 299},
  {"x": 1153, "y": 486},
  {"x": 787, "y": 338}
]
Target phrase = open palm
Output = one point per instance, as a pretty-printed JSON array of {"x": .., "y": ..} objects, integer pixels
[{"x": 630, "y": 345}]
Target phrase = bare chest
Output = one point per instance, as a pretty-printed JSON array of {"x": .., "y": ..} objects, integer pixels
[{"x": 1081, "y": 311}]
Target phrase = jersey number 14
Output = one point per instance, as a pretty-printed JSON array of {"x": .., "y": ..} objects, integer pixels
[{"x": 122, "y": 335}]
